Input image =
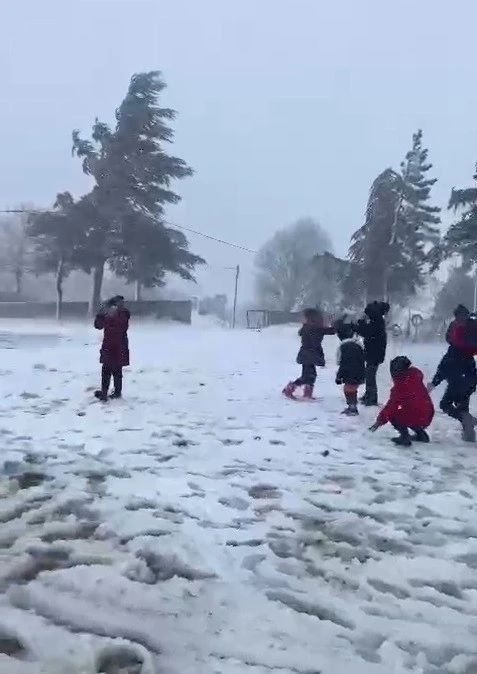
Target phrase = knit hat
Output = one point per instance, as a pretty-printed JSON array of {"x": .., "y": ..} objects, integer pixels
[
  {"x": 399, "y": 365},
  {"x": 344, "y": 330},
  {"x": 374, "y": 309},
  {"x": 461, "y": 311}
]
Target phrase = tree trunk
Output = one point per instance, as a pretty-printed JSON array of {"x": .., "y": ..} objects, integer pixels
[
  {"x": 138, "y": 293},
  {"x": 18, "y": 281},
  {"x": 59, "y": 289},
  {"x": 98, "y": 275}
]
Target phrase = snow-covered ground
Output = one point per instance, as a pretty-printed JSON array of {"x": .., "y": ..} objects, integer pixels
[{"x": 206, "y": 525}]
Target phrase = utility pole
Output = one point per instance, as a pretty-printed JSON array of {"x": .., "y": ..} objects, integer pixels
[
  {"x": 237, "y": 274},
  {"x": 475, "y": 292}
]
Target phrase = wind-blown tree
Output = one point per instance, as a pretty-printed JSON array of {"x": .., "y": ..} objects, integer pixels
[
  {"x": 58, "y": 237},
  {"x": 372, "y": 246},
  {"x": 148, "y": 252},
  {"x": 133, "y": 176},
  {"x": 284, "y": 264},
  {"x": 398, "y": 243},
  {"x": 461, "y": 237}
]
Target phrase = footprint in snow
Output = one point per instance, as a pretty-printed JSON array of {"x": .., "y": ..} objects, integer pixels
[
  {"x": 12, "y": 646},
  {"x": 124, "y": 659},
  {"x": 234, "y": 502},
  {"x": 260, "y": 491},
  {"x": 183, "y": 442},
  {"x": 30, "y": 479}
]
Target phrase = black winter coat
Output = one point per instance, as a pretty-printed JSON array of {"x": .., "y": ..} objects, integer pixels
[
  {"x": 351, "y": 365},
  {"x": 449, "y": 331},
  {"x": 311, "y": 351},
  {"x": 373, "y": 332},
  {"x": 458, "y": 370}
]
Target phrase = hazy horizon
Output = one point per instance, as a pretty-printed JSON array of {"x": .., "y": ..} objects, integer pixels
[{"x": 284, "y": 109}]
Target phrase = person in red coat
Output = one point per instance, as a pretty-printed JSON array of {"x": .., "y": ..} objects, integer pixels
[
  {"x": 409, "y": 405},
  {"x": 461, "y": 316},
  {"x": 113, "y": 318}
]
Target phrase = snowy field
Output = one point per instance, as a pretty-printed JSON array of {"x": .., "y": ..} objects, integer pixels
[{"x": 206, "y": 525}]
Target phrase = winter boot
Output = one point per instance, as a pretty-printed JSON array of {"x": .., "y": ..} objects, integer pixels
[
  {"x": 289, "y": 390},
  {"x": 101, "y": 395},
  {"x": 468, "y": 427},
  {"x": 118, "y": 384},
  {"x": 370, "y": 399},
  {"x": 403, "y": 440},
  {"x": 308, "y": 392},
  {"x": 420, "y": 435},
  {"x": 352, "y": 402}
]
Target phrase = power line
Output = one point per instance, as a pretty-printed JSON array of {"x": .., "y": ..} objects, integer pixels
[
  {"x": 11, "y": 211},
  {"x": 213, "y": 238}
]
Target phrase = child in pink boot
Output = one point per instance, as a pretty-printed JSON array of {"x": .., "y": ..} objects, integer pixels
[{"x": 310, "y": 356}]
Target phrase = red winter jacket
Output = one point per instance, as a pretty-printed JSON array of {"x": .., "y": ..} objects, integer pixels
[
  {"x": 114, "y": 351},
  {"x": 463, "y": 335},
  {"x": 409, "y": 403}
]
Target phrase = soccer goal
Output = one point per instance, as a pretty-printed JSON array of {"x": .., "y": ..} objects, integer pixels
[{"x": 257, "y": 319}]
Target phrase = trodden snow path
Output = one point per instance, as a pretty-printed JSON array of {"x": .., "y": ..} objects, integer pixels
[{"x": 206, "y": 525}]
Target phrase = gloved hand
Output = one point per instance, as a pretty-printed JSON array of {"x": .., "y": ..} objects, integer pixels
[{"x": 338, "y": 381}]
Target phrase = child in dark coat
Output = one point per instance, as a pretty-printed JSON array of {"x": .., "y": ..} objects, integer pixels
[
  {"x": 409, "y": 405},
  {"x": 351, "y": 366},
  {"x": 458, "y": 369},
  {"x": 311, "y": 355},
  {"x": 373, "y": 331},
  {"x": 113, "y": 318}
]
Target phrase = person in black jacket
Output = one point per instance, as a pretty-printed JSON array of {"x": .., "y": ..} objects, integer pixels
[
  {"x": 351, "y": 366},
  {"x": 311, "y": 355},
  {"x": 373, "y": 331},
  {"x": 458, "y": 369}
]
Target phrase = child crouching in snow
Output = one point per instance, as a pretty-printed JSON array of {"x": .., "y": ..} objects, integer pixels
[
  {"x": 409, "y": 405},
  {"x": 310, "y": 355},
  {"x": 351, "y": 366}
]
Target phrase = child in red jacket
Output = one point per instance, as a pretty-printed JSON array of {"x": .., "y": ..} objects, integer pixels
[
  {"x": 113, "y": 318},
  {"x": 409, "y": 405}
]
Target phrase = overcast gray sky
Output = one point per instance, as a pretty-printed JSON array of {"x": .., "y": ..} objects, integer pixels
[{"x": 287, "y": 108}]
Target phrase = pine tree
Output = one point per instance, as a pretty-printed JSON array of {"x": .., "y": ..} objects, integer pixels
[
  {"x": 399, "y": 241},
  {"x": 461, "y": 237},
  {"x": 133, "y": 177},
  {"x": 419, "y": 220},
  {"x": 371, "y": 252},
  {"x": 148, "y": 251},
  {"x": 417, "y": 191}
]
